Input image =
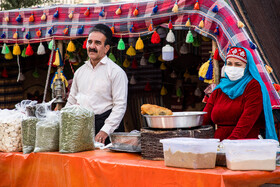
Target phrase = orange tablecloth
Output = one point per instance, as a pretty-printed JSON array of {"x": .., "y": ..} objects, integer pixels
[{"x": 106, "y": 168}]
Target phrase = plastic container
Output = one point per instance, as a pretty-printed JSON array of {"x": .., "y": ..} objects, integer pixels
[
  {"x": 251, "y": 154},
  {"x": 191, "y": 153}
]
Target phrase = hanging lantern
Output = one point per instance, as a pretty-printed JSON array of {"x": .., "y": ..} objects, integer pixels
[
  {"x": 184, "y": 49},
  {"x": 70, "y": 16},
  {"x": 155, "y": 9},
  {"x": 31, "y": 18},
  {"x": 86, "y": 13},
  {"x": 143, "y": 61},
  {"x": 147, "y": 87},
  {"x": 167, "y": 53},
  {"x": 15, "y": 36},
  {"x": 139, "y": 44},
  {"x": 16, "y": 50},
  {"x": 39, "y": 33},
  {"x": 29, "y": 51},
  {"x": 170, "y": 37},
  {"x": 85, "y": 44},
  {"x": 131, "y": 51},
  {"x": 41, "y": 49},
  {"x": 215, "y": 9},
  {"x": 188, "y": 23},
  {"x": 134, "y": 64},
  {"x": 80, "y": 30},
  {"x": 170, "y": 26},
  {"x": 132, "y": 80},
  {"x": 162, "y": 66},
  {"x": 7, "y": 19},
  {"x": 155, "y": 38},
  {"x": 66, "y": 30},
  {"x": 175, "y": 8},
  {"x": 119, "y": 11},
  {"x": 196, "y": 5},
  {"x": 28, "y": 35},
  {"x": 71, "y": 47},
  {"x": 19, "y": 18},
  {"x": 151, "y": 28},
  {"x": 56, "y": 14},
  {"x": 102, "y": 13},
  {"x": 201, "y": 23},
  {"x": 163, "y": 91},
  {"x": 112, "y": 57},
  {"x": 152, "y": 59},
  {"x": 136, "y": 12},
  {"x": 240, "y": 24},
  {"x": 43, "y": 17},
  {"x": 121, "y": 45},
  {"x": 126, "y": 63}
]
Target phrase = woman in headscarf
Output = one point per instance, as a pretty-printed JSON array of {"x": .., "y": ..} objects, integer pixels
[{"x": 240, "y": 104}]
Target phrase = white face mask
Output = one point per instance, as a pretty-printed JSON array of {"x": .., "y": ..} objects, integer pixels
[{"x": 234, "y": 73}]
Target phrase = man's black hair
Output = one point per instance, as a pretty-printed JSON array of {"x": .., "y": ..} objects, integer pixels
[{"x": 104, "y": 29}]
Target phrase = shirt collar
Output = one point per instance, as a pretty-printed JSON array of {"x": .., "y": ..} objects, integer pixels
[{"x": 102, "y": 61}]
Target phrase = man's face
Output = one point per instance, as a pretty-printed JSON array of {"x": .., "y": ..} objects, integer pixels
[{"x": 96, "y": 48}]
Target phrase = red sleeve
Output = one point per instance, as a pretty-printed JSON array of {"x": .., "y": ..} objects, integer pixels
[
  {"x": 252, "y": 109},
  {"x": 208, "y": 108}
]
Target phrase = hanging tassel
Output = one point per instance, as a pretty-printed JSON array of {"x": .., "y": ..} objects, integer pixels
[
  {"x": 268, "y": 69},
  {"x": 3, "y": 35},
  {"x": 132, "y": 80},
  {"x": 56, "y": 14},
  {"x": 15, "y": 36},
  {"x": 41, "y": 49},
  {"x": 19, "y": 18},
  {"x": 113, "y": 29},
  {"x": 277, "y": 87},
  {"x": 215, "y": 9},
  {"x": 252, "y": 45},
  {"x": 240, "y": 24},
  {"x": 139, "y": 44},
  {"x": 184, "y": 49},
  {"x": 50, "y": 46},
  {"x": 160, "y": 58},
  {"x": 152, "y": 59},
  {"x": 29, "y": 51},
  {"x": 23, "y": 53},
  {"x": 163, "y": 91},
  {"x": 7, "y": 19},
  {"x": 209, "y": 74},
  {"x": 147, "y": 87},
  {"x": 188, "y": 23},
  {"x": 143, "y": 61},
  {"x": 175, "y": 8},
  {"x": 31, "y": 18},
  {"x": 102, "y": 13},
  {"x": 50, "y": 32},
  {"x": 66, "y": 31},
  {"x": 216, "y": 55},
  {"x": 4, "y": 73},
  {"x": 134, "y": 64},
  {"x": 121, "y": 45},
  {"x": 39, "y": 33},
  {"x": 131, "y": 28},
  {"x": 80, "y": 30},
  {"x": 131, "y": 51},
  {"x": 196, "y": 42},
  {"x": 196, "y": 5},
  {"x": 229, "y": 46},
  {"x": 136, "y": 12},
  {"x": 5, "y": 49},
  {"x": 58, "y": 59},
  {"x": 206, "y": 39},
  {"x": 53, "y": 58},
  {"x": 173, "y": 75},
  {"x": 203, "y": 70},
  {"x": 9, "y": 56},
  {"x": 170, "y": 37},
  {"x": 119, "y": 11},
  {"x": 43, "y": 17},
  {"x": 85, "y": 44},
  {"x": 86, "y": 13},
  {"x": 63, "y": 79},
  {"x": 28, "y": 35},
  {"x": 155, "y": 38},
  {"x": 151, "y": 28},
  {"x": 155, "y": 9},
  {"x": 16, "y": 50},
  {"x": 162, "y": 66},
  {"x": 70, "y": 16},
  {"x": 112, "y": 57},
  {"x": 178, "y": 94},
  {"x": 216, "y": 31},
  {"x": 126, "y": 63},
  {"x": 71, "y": 47},
  {"x": 170, "y": 26},
  {"x": 201, "y": 23}
]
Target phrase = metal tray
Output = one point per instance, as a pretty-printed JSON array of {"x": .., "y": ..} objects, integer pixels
[
  {"x": 177, "y": 120},
  {"x": 124, "y": 150}
]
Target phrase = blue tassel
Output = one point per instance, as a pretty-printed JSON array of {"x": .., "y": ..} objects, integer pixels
[
  {"x": 50, "y": 31},
  {"x": 80, "y": 30},
  {"x": 28, "y": 35},
  {"x": 102, "y": 13},
  {"x": 53, "y": 79},
  {"x": 19, "y": 18},
  {"x": 131, "y": 28},
  {"x": 215, "y": 9},
  {"x": 209, "y": 74},
  {"x": 155, "y": 9},
  {"x": 60, "y": 58},
  {"x": 201, "y": 78},
  {"x": 3, "y": 35},
  {"x": 56, "y": 14},
  {"x": 216, "y": 31},
  {"x": 252, "y": 45},
  {"x": 229, "y": 46}
]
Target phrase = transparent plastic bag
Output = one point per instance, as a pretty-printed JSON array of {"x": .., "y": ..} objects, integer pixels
[
  {"x": 76, "y": 129},
  {"x": 28, "y": 131}
]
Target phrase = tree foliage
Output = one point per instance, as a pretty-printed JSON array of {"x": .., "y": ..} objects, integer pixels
[{"x": 15, "y": 4}]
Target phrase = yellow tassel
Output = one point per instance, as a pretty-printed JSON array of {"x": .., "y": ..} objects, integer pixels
[
  {"x": 268, "y": 69},
  {"x": 131, "y": 51},
  {"x": 139, "y": 44},
  {"x": 15, "y": 36},
  {"x": 162, "y": 66},
  {"x": 71, "y": 47},
  {"x": 240, "y": 24},
  {"x": 175, "y": 8},
  {"x": 188, "y": 23},
  {"x": 70, "y": 16},
  {"x": 9, "y": 56},
  {"x": 126, "y": 63},
  {"x": 7, "y": 19},
  {"x": 63, "y": 79},
  {"x": 57, "y": 60},
  {"x": 160, "y": 58},
  {"x": 201, "y": 24},
  {"x": 163, "y": 91},
  {"x": 203, "y": 69},
  {"x": 53, "y": 81},
  {"x": 43, "y": 17},
  {"x": 16, "y": 50},
  {"x": 119, "y": 11}
]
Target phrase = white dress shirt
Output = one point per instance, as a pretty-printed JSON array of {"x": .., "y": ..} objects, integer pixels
[{"x": 106, "y": 85}]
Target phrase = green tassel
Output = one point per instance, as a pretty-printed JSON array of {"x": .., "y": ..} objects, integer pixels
[
  {"x": 178, "y": 92},
  {"x": 121, "y": 45},
  {"x": 112, "y": 57},
  {"x": 50, "y": 46},
  {"x": 189, "y": 38},
  {"x": 196, "y": 42},
  {"x": 152, "y": 58},
  {"x": 5, "y": 49},
  {"x": 23, "y": 53},
  {"x": 119, "y": 62}
]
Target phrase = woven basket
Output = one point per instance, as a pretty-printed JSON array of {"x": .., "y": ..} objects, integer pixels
[{"x": 151, "y": 148}]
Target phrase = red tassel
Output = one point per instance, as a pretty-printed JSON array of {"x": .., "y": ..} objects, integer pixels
[
  {"x": 4, "y": 73},
  {"x": 134, "y": 64},
  {"x": 196, "y": 6},
  {"x": 147, "y": 87},
  {"x": 85, "y": 44},
  {"x": 170, "y": 26},
  {"x": 216, "y": 55},
  {"x": 277, "y": 87},
  {"x": 53, "y": 59},
  {"x": 29, "y": 51},
  {"x": 86, "y": 13},
  {"x": 155, "y": 38},
  {"x": 66, "y": 31}
]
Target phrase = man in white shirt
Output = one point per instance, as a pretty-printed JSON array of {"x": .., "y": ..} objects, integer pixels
[{"x": 104, "y": 82}]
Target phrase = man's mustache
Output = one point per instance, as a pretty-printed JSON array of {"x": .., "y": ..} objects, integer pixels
[{"x": 92, "y": 50}]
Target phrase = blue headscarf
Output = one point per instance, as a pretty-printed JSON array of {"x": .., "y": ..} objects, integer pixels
[{"x": 234, "y": 89}]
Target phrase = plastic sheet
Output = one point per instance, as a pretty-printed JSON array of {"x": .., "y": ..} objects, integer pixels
[{"x": 106, "y": 168}]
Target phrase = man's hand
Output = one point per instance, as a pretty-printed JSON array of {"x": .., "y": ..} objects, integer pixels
[{"x": 101, "y": 137}]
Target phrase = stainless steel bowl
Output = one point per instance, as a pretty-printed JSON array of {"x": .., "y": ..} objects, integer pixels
[
  {"x": 177, "y": 120},
  {"x": 125, "y": 141}
]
